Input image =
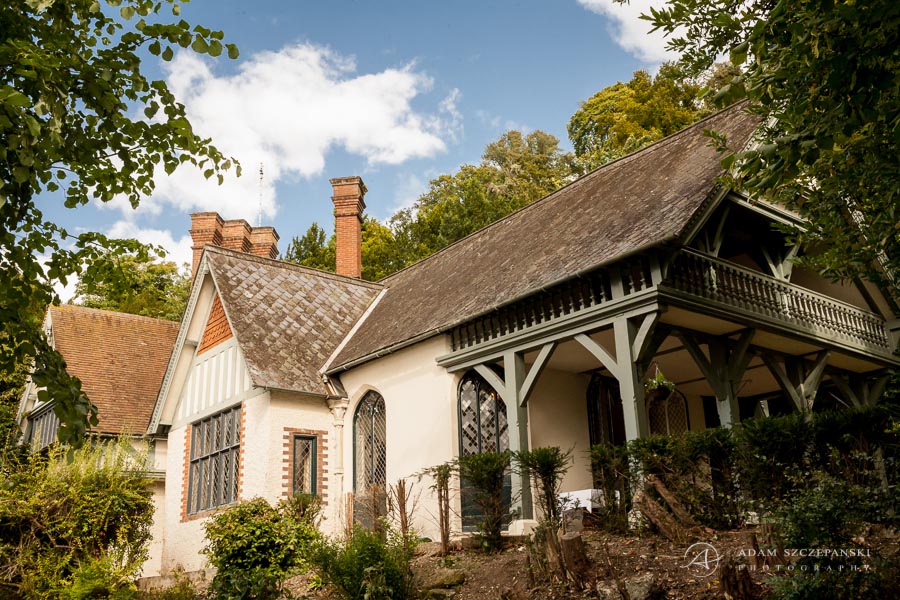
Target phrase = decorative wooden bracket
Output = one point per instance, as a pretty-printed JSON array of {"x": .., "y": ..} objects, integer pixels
[
  {"x": 724, "y": 368},
  {"x": 860, "y": 390},
  {"x": 798, "y": 379}
]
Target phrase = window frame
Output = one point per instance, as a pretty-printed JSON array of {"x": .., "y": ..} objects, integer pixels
[
  {"x": 313, "y": 463},
  {"x": 368, "y": 398},
  {"x": 222, "y": 455}
]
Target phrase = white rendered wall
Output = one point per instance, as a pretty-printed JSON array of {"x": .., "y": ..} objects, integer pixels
[
  {"x": 557, "y": 416},
  {"x": 421, "y": 419},
  {"x": 153, "y": 565}
]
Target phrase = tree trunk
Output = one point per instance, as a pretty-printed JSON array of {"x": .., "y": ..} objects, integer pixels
[{"x": 575, "y": 558}]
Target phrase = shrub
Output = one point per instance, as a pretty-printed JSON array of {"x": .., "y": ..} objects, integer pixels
[
  {"x": 610, "y": 470},
  {"x": 547, "y": 467},
  {"x": 74, "y": 527},
  {"x": 485, "y": 475},
  {"x": 369, "y": 565},
  {"x": 255, "y": 546},
  {"x": 441, "y": 474}
]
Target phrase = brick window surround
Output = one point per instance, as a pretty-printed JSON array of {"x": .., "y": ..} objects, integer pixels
[{"x": 321, "y": 460}]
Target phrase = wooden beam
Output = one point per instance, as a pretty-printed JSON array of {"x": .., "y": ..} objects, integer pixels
[
  {"x": 600, "y": 353},
  {"x": 810, "y": 385},
  {"x": 783, "y": 381},
  {"x": 495, "y": 382},
  {"x": 535, "y": 371}
]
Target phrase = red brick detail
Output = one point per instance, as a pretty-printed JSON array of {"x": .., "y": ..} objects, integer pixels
[
  {"x": 243, "y": 449},
  {"x": 236, "y": 235},
  {"x": 217, "y": 329},
  {"x": 321, "y": 460},
  {"x": 206, "y": 228},
  {"x": 264, "y": 242},
  {"x": 349, "y": 204},
  {"x": 186, "y": 472}
]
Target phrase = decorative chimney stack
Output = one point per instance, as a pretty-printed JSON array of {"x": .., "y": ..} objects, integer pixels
[
  {"x": 210, "y": 228},
  {"x": 348, "y": 215}
]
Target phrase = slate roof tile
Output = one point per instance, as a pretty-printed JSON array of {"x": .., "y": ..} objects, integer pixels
[
  {"x": 637, "y": 202},
  {"x": 288, "y": 319}
]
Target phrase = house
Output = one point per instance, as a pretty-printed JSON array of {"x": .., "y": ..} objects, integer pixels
[
  {"x": 540, "y": 329},
  {"x": 120, "y": 360}
]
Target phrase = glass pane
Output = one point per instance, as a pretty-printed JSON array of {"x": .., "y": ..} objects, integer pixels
[{"x": 304, "y": 476}]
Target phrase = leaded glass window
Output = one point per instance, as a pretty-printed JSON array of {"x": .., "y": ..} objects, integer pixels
[
  {"x": 215, "y": 458},
  {"x": 482, "y": 428},
  {"x": 304, "y": 468},
  {"x": 482, "y": 417},
  {"x": 668, "y": 413},
  {"x": 370, "y": 438}
]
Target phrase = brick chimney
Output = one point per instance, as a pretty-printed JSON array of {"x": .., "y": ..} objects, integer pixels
[
  {"x": 210, "y": 228},
  {"x": 348, "y": 215},
  {"x": 236, "y": 235},
  {"x": 264, "y": 242},
  {"x": 206, "y": 228}
]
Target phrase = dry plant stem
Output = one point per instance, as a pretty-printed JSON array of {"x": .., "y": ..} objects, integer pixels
[{"x": 620, "y": 585}]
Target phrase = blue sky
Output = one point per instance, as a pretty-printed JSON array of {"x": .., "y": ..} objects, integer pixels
[{"x": 397, "y": 92}]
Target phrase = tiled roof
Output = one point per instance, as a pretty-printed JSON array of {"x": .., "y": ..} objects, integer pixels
[
  {"x": 287, "y": 319},
  {"x": 639, "y": 201},
  {"x": 119, "y": 358}
]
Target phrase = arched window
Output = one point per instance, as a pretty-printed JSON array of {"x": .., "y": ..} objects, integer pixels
[
  {"x": 482, "y": 417},
  {"x": 370, "y": 444},
  {"x": 482, "y": 428}
]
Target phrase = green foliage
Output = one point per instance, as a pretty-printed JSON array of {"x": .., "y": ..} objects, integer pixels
[
  {"x": 136, "y": 285},
  {"x": 696, "y": 466},
  {"x": 624, "y": 117},
  {"x": 255, "y": 546},
  {"x": 823, "y": 76},
  {"x": 312, "y": 250},
  {"x": 516, "y": 170},
  {"x": 485, "y": 476},
  {"x": 547, "y": 467},
  {"x": 70, "y": 86},
  {"x": 76, "y": 526},
  {"x": 441, "y": 476},
  {"x": 369, "y": 565},
  {"x": 610, "y": 470}
]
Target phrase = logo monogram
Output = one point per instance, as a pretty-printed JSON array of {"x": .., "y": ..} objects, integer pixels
[{"x": 701, "y": 559}]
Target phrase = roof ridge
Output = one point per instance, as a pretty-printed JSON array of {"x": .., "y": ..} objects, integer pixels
[
  {"x": 293, "y": 266},
  {"x": 578, "y": 181},
  {"x": 118, "y": 313}
]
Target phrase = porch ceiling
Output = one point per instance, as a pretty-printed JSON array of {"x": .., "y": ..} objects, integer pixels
[{"x": 679, "y": 317}]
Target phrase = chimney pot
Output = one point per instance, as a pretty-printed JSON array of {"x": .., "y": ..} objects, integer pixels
[{"x": 349, "y": 204}]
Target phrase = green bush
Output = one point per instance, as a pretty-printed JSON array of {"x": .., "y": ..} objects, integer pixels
[
  {"x": 547, "y": 467},
  {"x": 255, "y": 546},
  {"x": 370, "y": 565},
  {"x": 485, "y": 475},
  {"x": 611, "y": 474},
  {"x": 74, "y": 526}
]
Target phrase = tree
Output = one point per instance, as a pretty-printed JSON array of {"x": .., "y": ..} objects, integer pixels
[
  {"x": 70, "y": 82},
  {"x": 516, "y": 170},
  {"x": 824, "y": 77},
  {"x": 127, "y": 283},
  {"x": 312, "y": 250},
  {"x": 624, "y": 117}
]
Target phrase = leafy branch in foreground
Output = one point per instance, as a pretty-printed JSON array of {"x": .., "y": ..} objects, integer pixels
[
  {"x": 825, "y": 79},
  {"x": 70, "y": 83}
]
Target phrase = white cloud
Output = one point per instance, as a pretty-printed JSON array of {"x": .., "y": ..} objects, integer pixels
[
  {"x": 287, "y": 109},
  {"x": 630, "y": 31},
  {"x": 178, "y": 250}
]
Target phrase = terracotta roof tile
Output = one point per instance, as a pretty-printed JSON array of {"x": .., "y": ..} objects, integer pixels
[
  {"x": 119, "y": 358},
  {"x": 287, "y": 319},
  {"x": 639, "y": 201}
]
